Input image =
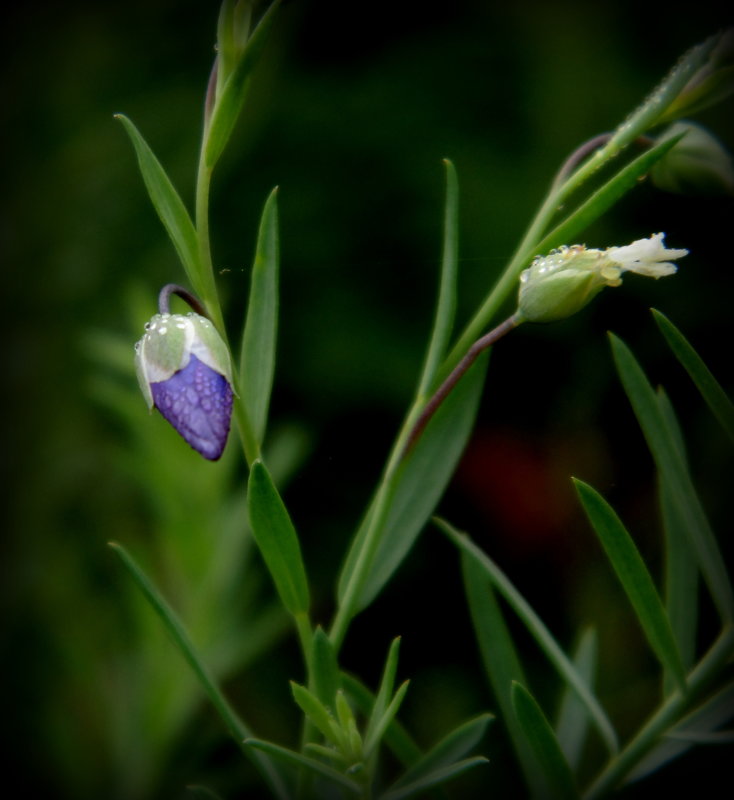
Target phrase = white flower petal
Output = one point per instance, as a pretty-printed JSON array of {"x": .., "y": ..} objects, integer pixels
[{"x": 646, "y": 257}]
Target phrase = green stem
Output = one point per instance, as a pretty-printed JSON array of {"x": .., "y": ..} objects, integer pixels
[
  {"x": 348, "y": 606},
  {"x": 210, "y": 298},
  {"x": 422, "y": 409},
  {"x": 305, "y": 636},
  {"x": 699, "y": 680},
  {"x": 557, "y": 195}
]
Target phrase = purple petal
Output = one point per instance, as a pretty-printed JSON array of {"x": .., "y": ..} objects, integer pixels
[{"x": 197, "y": 401}]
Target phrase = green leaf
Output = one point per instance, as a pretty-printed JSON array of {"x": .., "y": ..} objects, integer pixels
[
  {"x": 318, "y": 713},
  {"x": 501, "y": 662},
  {"x": 665, "y": 451},
  {"x": 635, "y": 579},
  {"x": 446, "y": 305},
  {"x": 257, "y": 361},
  {"x": 396, "y": 737},
  {"x": 711, "y": 391},
  {"x": 573, "y": 719},
  {"x": 543, "y": 740},
  {"x": 168, "y": 204},
  {"x": 652, "y": 111},
  {"x": 431, "y": 779},
  {"x": 230, "y": 102},
  {"x": 681, "y": 567},
  {"x": 540, "y": 633},
  {"x": 299, "y": 760},
  {"x": 372, "y": 740},
  {"x": 604, "y": 197},
  {"x": 324, "y": 668},
  {"x": 418, "y": 486},
  {"x": 454, "y": 746},
  {"x": 386, "y": 686},
  {"x": 181, "y": 639},
  {"x": 276, "y": 537}
]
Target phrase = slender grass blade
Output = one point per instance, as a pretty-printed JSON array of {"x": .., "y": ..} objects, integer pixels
[
  {"x": 539, "y": 733},
  {"x": 257, "y": 360},
  {"x": 168, "y": 204},
  {"x": 539, "y": 631},
  {"x": 573, "y": 719},
  {"x": 277, "y": 540},
  {"x": 638, "y": 585},
  {"x": 665, "y": 451},
  {"x": 711, "y": 390}
]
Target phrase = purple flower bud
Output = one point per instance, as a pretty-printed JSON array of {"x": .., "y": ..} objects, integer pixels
[
  {"x": 184, "y": 371},
  {"x": 197, "y": 401}
]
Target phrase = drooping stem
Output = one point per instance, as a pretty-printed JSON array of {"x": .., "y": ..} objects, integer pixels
[
  {"x": 453, "y": 378},
  {"x": 164, "y": 298}
]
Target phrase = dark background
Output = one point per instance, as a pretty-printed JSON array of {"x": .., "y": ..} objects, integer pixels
[{"x": 353, "y": 108}]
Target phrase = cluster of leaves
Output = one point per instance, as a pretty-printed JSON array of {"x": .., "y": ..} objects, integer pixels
[
  {"x": 698, "y": 696},
  {"x": 338, "y": 749}
]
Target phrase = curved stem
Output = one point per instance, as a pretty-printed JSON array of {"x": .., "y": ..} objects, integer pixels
[
  {"x": 430, "y": 408},
  {"x": 164, "y": 297}
]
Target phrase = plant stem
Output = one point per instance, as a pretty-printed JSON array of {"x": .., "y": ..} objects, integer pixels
[
  {"x": 415, "y": 423},
  {"x": 471, "y": 355},
  {"x": 664, "y": 718},
  {"x": 210, "y": 298}
]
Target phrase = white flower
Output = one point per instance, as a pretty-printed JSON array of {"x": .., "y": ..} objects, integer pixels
[
  {"x": 559, "y": 284},
  {"x": 646, "y": 257}
]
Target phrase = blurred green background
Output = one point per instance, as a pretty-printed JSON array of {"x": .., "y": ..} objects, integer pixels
[{"x": 352, "y": 109}]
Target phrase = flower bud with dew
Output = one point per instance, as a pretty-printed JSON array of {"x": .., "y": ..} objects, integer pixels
[
  {"x": 184, "y": 371},
  {"x": 564, "y": 281}
]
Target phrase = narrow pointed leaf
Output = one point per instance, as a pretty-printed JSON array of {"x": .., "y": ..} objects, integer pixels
[
  {"x": 373, "y": 739},
  {"x": 168, "y": 204},
  {"x": 257, "y": 362},
  {"x": 539, "y": 631},
  {"x": 662, "y": 444},
  {"x": 635, "y": 579},
  {"x": 419, "y": 484},
  {"x": 384, "y": 693},
  {"x": 539, "y": 733},
  {"x": 317, "y": 712},
  {"x": 182, "y": 640},
  {"x": 446, "y": 305},
  {"x": 681, "y": 568},
  {"x": 711, "y": 391},
  {"x": 324, "y": 668},
  {"x": 501, "y": 661},
  {"x": 299, "y": 760},
  {"x": 573, "y": 718},
  {"x": 276, "y": 537},
  {"x": 230, "y": 102},
  {"x": 452, "y": 748},
  {"x": 432, "y": 779},
  {"x": 664, "y": 97},
  {"x": 396, "y": 737},
  {"x": 604, "y": 197}
]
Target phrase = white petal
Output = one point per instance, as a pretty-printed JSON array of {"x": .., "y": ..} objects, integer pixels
[{"x": 646, "y": 256}]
